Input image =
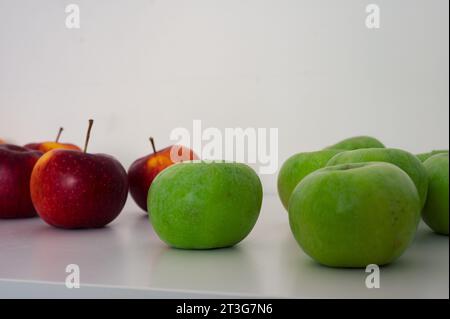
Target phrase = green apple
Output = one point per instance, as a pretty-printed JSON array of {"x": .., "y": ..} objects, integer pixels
[
  {"x": 353, "y": 215},
  {"x": 435, "y": 212},
  {"x": 404, "y": 160},
  {"x": 424, "y": 156},
  {"x": 297, "y": 167},
  {"x": 357, "y": 142},
  {"x": 203, "y": 205}
]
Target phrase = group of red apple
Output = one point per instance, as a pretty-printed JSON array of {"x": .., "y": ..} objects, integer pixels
[{"x": 70, "y": 188}]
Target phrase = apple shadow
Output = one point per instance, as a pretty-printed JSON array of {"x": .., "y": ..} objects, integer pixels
[
  {"x": 304, "y": 277},
  {"x": 426, "y": 235},
  {"x": 229, "y": 269},
  {"x": 56, "y": 246}
]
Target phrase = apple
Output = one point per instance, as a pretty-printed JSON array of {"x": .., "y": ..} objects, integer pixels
[
  {"x": 16, "y": 164},
  {"x": 357, "y": 142},
  {"x": 435, "y": 212},
  {"x": 2, "y": 141},
  {"x": 353, "y": 215},
  {"x": 404, "y": 160},
  {"x": 204, "y": 205},
  {"x": 72, "y": 189},
  {"x": 298, "y": 166},
  {"x": 424, "y": 156},
  {"x": 144, "y": 170},
  {"x": 48, "y": 146}
]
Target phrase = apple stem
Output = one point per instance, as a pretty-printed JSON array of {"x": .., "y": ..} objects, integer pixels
[
  {"x": 88, "y": 135},
  {"x": 59, "y": 134},
  {"x": 152, "y": 141}
]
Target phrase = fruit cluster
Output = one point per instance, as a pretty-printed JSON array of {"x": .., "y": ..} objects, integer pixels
[
  {"x": 358, "y": 203},
  {"x": 352, "y": 204},
  {"x": 194, "y": 204}
]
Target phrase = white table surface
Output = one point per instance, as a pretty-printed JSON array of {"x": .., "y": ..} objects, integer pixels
[{"x": 126, "y": 259}]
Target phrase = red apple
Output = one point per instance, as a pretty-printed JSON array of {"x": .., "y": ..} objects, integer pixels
[
  {"x": 16, "y": 164},
  {"x": 48, "y": 146},
  {"x": 72, "y": 189},
  {"x": 142, "y": 172}
]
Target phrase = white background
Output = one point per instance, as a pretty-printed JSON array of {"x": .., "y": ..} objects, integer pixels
[{"x": 142, "y": 67}]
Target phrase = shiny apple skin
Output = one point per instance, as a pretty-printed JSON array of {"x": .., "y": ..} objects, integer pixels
[
  {"x": 144, "y": 170},
  {"x": 16, "y": 165},
  {"x": 72, "y": 189},
  {"x": 48, "y": 146}
]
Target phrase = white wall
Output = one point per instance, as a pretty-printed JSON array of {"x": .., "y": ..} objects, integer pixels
[{"x": 142, "y": 67}]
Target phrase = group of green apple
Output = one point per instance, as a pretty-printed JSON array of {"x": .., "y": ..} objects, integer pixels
[{"x": 358, "y": 203}]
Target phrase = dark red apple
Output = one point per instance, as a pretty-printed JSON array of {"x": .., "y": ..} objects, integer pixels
[
  {"x": 16, "y": 164},
  {"x": 144, "y": 170},
  {"x": 52, "y": 145},
  {"x": 72, "y": 189}
]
